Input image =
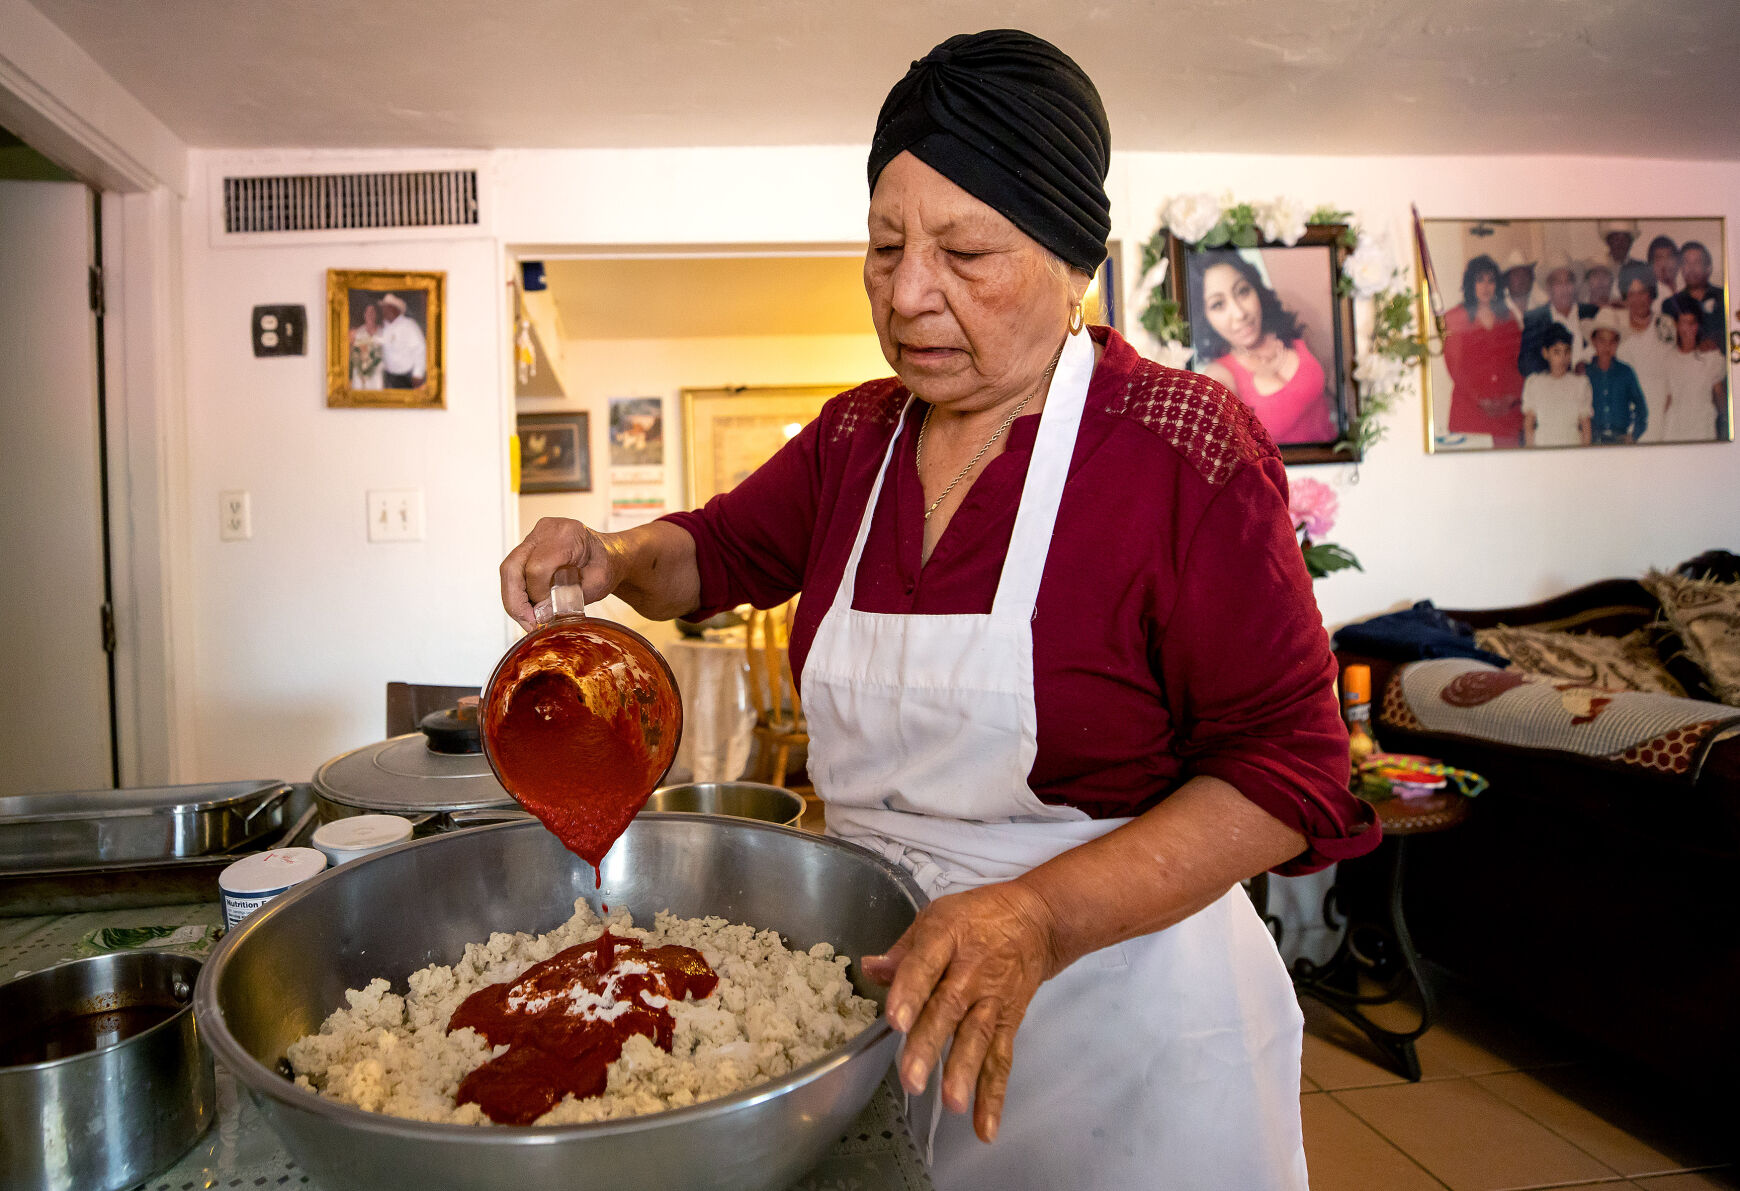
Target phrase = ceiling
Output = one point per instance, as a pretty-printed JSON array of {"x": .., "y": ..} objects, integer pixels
[{"x": 1610, "y": 77}]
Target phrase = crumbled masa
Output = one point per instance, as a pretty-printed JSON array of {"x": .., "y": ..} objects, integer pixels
[{"x": 775, "y": 1009}]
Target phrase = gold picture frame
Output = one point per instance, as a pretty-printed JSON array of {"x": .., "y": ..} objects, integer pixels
[
  {"x": 729, "y": 432},
  {"x": 361, "y": 308},
  {"x": 1477, "y": 386}
]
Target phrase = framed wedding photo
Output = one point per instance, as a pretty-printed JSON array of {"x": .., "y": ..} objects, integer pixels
[
  {"x": 386, "y": 339},
  {"x": 1273, "y": 323},
  {"x": 1550, "y": 333}
]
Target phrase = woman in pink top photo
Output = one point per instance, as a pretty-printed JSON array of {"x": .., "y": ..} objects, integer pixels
[{"x": 1255, "y": 346}]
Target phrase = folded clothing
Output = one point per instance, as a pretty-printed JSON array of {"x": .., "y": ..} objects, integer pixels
[{"x": 1422, "y": 631}]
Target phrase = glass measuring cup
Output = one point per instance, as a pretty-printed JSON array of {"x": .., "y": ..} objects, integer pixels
[{"x": 580, "y": 720}]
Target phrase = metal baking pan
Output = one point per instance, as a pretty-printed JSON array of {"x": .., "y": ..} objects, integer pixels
[
  {"x": 150, "y": 823},
  {"x": 161, "y": 881}
]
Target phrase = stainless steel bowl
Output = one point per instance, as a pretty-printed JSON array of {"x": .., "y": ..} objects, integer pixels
[
  {"x": 742, "y": 800},
  {"x": 104, "y": 1081},
  {"x": 278, "y": 975}
]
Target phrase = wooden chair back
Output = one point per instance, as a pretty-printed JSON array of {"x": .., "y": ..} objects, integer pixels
[
  {"x": 771, "y": 689},
  {"x": 409, "y": 702}
]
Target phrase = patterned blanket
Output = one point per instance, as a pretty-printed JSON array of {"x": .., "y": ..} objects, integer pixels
[{"x": 1664, "y": 734}]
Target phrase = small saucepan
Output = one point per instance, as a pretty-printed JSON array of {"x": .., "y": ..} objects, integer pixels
[{"x": 104, "y": 1080}]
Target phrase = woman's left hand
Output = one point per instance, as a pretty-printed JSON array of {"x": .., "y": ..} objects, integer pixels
[{"x": 966, "y": 969}]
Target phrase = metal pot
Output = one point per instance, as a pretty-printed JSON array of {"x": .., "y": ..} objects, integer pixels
[
  {"x": 108, "y": 1082},
  {"x": 427, "y": 776},
  {"x": 279, "y": 974},
  {"x": 741, "y": 800}
]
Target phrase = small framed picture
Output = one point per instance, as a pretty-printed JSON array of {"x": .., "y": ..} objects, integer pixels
[
  {"x": 1554, "y": 333},
  {"x": 1274, "y": 324},
  {"x": 637, "y": 432},
  {"x": 555, "y": 452},
  {"x": 386, "y": 338},
  {"x": 728, "y": 433}
]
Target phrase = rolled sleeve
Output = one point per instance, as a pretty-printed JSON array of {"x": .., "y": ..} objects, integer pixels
[{"x": 1246, "y": 662}]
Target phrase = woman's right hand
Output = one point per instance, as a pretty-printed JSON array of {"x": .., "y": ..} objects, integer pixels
[{"x": 554, "y": 543}]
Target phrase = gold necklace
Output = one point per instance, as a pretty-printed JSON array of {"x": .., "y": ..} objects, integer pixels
[{"x": 995, "y": 435}]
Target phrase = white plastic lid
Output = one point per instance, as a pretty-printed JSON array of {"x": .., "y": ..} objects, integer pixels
[
  {"x": 266, "y": 872},
  {"x": 358, "y": 835}
]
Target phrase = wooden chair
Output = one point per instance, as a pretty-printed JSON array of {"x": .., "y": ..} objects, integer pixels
[
  {"x": 409, "y": 702},
  {"x": 779, "y": 713}
]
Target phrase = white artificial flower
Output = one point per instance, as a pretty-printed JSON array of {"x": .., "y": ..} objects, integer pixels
[
  {"x": 1375, "y": 371},
  {"x": 1156, "y": 277},
  {"x": 1370, "y": 268},
  {"x": 1384, "y": 374},
  {"x": 1190, "y": 217},
  {"x": 1172, "y": 354},
  {"x": 1282, "y": 221}
]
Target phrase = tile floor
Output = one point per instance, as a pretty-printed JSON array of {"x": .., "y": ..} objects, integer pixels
[{"x": 1497, "y": 1109}]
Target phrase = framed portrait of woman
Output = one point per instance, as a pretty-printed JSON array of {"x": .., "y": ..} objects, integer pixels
[
  {"x": 386, "y": 339},
  {"x": 1549, "y": 333},
  {"x": 1273, "y": 323}
]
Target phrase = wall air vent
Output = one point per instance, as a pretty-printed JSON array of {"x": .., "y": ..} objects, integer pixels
[{"x": 340, "y": 202}]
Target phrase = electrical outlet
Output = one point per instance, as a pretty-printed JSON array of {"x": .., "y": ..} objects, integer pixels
[
  {"x": 279, "y": 330},
  {"x": 235, "y": 516},
  {"x": 395, "y": 514}
]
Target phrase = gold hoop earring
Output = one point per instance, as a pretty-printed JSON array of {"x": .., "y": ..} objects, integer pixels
[{"x": 1076, "y": 318}]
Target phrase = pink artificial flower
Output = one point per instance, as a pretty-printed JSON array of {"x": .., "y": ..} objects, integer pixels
[{"x": 1312, "y": 505}]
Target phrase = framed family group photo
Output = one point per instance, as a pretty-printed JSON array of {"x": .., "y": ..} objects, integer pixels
[
  {"x": 1274, "y": 324},
  {"x": 729, "y": 432},
  {"x": 386, "y": 339},
  {"x": 1575, "y": 332}
]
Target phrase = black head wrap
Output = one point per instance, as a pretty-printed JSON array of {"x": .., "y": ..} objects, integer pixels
[{"x": 1013, "y": 121}]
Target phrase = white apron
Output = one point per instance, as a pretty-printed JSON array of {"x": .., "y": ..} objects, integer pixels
[{"x": 1166, "y": 1062}]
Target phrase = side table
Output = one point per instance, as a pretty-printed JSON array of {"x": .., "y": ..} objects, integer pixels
[{"x": 1376, "y": 945}]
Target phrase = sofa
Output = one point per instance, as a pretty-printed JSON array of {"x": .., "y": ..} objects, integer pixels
[{"x": 1586, "y": 892}]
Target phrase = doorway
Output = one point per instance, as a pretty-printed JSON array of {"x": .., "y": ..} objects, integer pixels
[
  {"x": 617, "y": 336},
  {"x": 57, "y": 641}
]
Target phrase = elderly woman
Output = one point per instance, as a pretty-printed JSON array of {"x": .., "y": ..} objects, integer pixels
[
  {"x": 1254, "y": 346},
  {"x": 1059, "y": 656}
]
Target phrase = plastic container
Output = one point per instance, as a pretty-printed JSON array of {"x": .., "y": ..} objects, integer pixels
[
  {"x": 254, "y": 880},
  {"x": 1356, "y": 709},
  {"x": 344, "y": 840}
]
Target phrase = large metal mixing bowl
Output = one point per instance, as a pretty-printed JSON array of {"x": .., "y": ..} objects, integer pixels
[{"x": 277, "y": 975}]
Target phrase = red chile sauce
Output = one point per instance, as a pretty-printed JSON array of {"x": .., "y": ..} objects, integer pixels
[
  {"x": 580, "y": 722},
  {"x": 566, "y": 1019}
]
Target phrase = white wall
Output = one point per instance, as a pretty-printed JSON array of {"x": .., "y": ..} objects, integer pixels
[{"x": 297, "y": 631}]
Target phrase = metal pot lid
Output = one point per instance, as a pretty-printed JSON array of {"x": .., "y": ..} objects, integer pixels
[{"x": 404, "y": 774}]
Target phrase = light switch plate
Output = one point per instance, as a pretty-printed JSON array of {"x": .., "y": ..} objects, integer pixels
[{"x": 395, "y": 514}]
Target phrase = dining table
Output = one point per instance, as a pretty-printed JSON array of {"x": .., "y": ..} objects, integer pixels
[{"x": 712, "y": 673}]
